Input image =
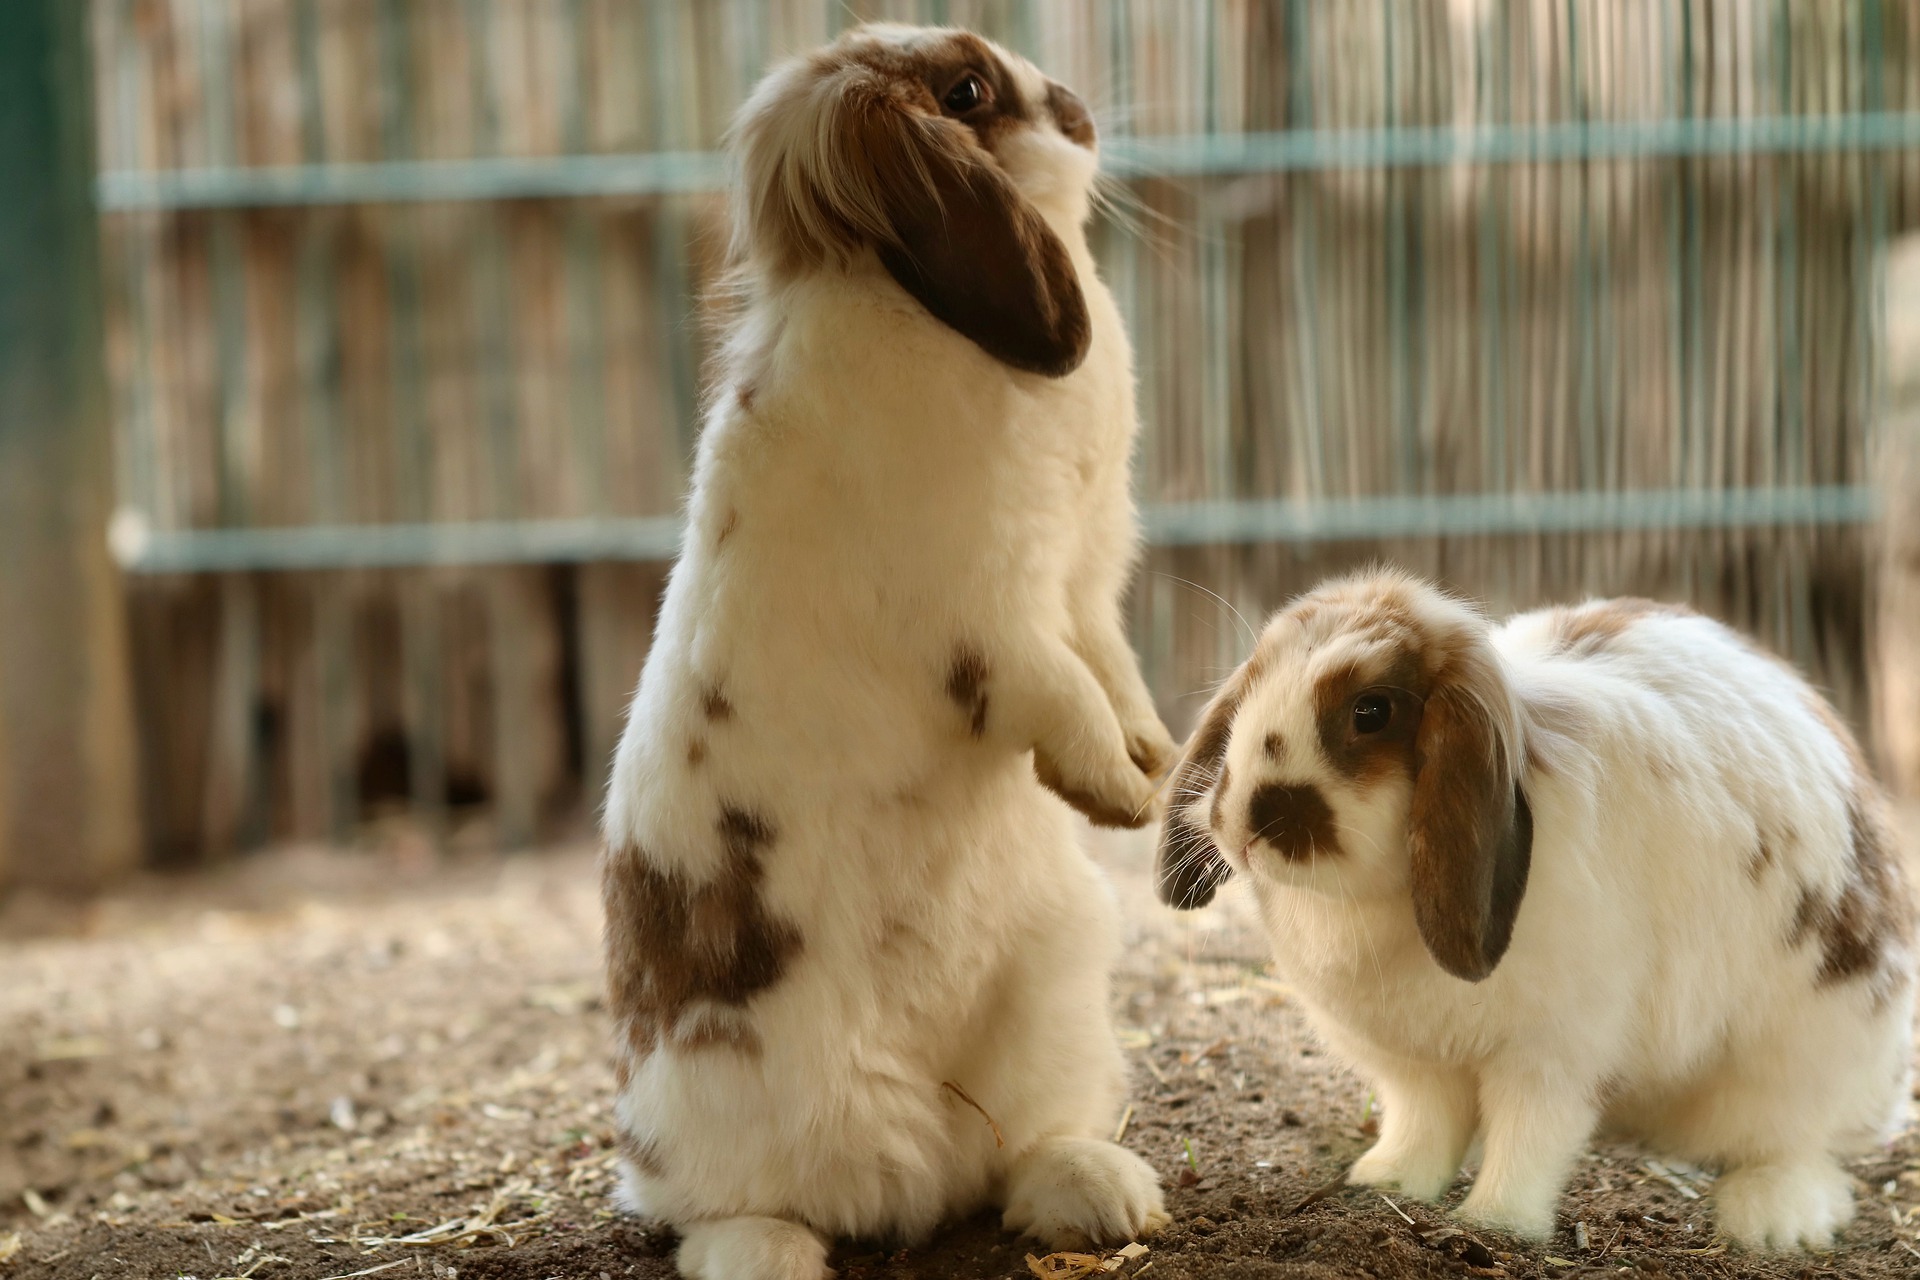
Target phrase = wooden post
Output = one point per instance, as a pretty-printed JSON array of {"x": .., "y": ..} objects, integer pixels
[
  {"x": 68, "y": 785},
  {"x": 1896, "y": 469}
]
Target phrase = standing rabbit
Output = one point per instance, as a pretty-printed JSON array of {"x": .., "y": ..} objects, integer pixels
[
  {"x": 844, "y": 918},
  {"x": 1599, "y": 865}
]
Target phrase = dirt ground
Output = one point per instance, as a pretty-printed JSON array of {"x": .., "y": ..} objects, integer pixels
[{"x": 381, "y": 1062}]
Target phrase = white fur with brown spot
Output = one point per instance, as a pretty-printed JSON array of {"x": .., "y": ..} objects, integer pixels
[
  {"x": 890, "y": 496},
  {"x": 1745, "y": 1010}
]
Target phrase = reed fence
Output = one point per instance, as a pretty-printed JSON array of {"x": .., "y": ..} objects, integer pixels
[{"x": 1544, "y": 297}]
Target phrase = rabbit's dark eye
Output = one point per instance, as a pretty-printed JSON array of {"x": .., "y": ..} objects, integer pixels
[
  {"x": 1372, "y": 712},
  {"x": 965, "y": 96}
]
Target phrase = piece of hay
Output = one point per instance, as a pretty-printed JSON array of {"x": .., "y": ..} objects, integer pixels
[
  {"x": 1320, "y": 1193},
  {"x": 72, "y": 1049},
  {"x": 1672, "y": 1177},
  {"x": 998, "y": 1139},
  {"x": 1217, "y": 1047},
  {"x": 1078, "y": 1266},
  {"x": 1402, "y": 1212},
  {"x": 1064, "y": 1266},
  {"x": 569, "y": 999},
  {"x": 349, "y": 1275},
  {"x": 254, "y": 1259},
  {"x": 482, "y": 1225}
]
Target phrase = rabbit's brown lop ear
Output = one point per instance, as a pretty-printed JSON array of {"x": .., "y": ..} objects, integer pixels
[
  {"x": 1470, "y": 830},
  {"x": 836, "y": 154},
  {"x": 1189, "y": 868},
  {"x": 972, "y": 249}
]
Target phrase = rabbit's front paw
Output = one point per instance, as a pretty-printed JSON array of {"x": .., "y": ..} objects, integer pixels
[
  {"x": 1075, "y": 1192},
  {"x": 1784, "y": 1206},
  {"x": 1150, "y": 746},
  {"x": 751, "y": 1249},
  {"x": 1423, "y": 1135},
  {"x": 1114, "y": 793},
  {"x": 1424, "y": 1175},
  {"x": 1528, "y": 1214}
]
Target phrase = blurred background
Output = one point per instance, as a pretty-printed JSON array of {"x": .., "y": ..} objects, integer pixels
[{"x": 351, "y": 356}]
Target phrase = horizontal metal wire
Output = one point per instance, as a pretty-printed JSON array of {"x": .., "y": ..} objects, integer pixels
[
  {"x": 1225, "y": 153},
  {"x": 397, "y": 181},
  {"x": 1167, "y": 524},
  {"x": 464, "y": 542},
  {"x": 1182, "y": 156},
  {"x": 1456, "y": 515}
]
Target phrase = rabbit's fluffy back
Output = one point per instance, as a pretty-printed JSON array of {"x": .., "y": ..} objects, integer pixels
[
  {"x": 1740, "y": 838},
  {"x": 1714, "y": 897},
  {"x": 881, "y": 902}
]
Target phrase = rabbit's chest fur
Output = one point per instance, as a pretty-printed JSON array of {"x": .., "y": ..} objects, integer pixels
[
  {"x": 864, "y": 502},
  {"x": 867, "y": 499}
]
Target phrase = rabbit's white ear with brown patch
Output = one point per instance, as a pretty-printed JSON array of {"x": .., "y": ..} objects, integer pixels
[
  {"x": 1470, "y": 831},
  {"x": 1189, "y": 866},
  {"x": 836, "y": 157}
]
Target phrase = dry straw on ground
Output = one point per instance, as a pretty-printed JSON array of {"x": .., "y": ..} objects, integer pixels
[{"x": 224, "y": 1020}]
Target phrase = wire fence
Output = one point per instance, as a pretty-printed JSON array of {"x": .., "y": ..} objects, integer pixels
[{"x": 1544, "y": 298}]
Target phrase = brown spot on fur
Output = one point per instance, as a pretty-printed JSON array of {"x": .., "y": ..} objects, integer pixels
[
  {"x": 1146, "y": 756},
  {"x": 1762, "y": 857},
  {"x": 744, "y": 397},
  {"x": 1216, "y": 811},
  {"x": 1835, "y": 726},
  {"x": 711, "y": 1030},
  {"x": 1188, "y": 868},
  {"x": 1862, "y": 926},
  {"x": 1305, "y": 613},
  {"x": 674, "y": 942},
  {"x": 715, "y": 705},
  {"x": 967, "y": 686},
  {"x": 1806, "y": 913},
  {"x": 1210, "y": 739},
  {"x": 1096, "y": 811},
  {"x": 892, "y": 938},
  {"x": 745, "y": 832},
  {"x": 727, "y": 527},
  {"x": 1591, "y": 628},
  {"x": 1275, "y": 747},
  {"x": 643, "y": 1154},
  {"x": 1071, "y": 114},
  {"x": 697, "y": 752},
  {"x": 1367, "y": 758},
  {"x": 1295, "y": 822},
  {"x": 1867, "y": 926}
]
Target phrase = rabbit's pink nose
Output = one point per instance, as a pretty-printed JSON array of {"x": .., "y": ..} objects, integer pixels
[{"x": 1070, "y": 114}]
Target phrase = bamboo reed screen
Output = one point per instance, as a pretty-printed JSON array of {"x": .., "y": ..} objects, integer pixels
[{"x": 1544, "y": 298}]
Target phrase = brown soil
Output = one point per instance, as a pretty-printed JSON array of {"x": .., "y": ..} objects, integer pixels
[{"x": 283, "y": 1069}]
